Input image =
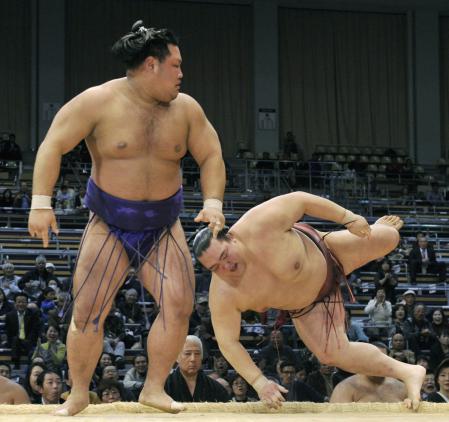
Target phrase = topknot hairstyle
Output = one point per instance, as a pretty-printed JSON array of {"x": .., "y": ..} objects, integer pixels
[{"x": 133, "y": 48}]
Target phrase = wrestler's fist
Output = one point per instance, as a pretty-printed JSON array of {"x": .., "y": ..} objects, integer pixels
[
  {"x": 358, "y": 226},
  {"x": 39, "y": 221},
  {"x": 270, "y": 394},
  {"x": 214, "y": 217}
]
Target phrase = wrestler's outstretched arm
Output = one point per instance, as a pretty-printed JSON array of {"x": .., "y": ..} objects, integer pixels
[
  {"x": 204, "y": 145},
  {"x": 73, "y": 123},
  {"x": 285, "y": 210},
  {"x": 226, "y": 320}
]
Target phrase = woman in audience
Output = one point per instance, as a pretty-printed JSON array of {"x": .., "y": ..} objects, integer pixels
[
  {"x": 439, "y": 350},
  {"x": 34, "y": 370},
  {"x": 53, "y": 351},
  {"x": 438, "y": 321},
  {"x": 240, "y": 390},
  {"x": 442, "y": 383},
  {"x": 387, "y": 280},
  {"x": 399, "y": 319},
  {"x": 108, "y": 391}
]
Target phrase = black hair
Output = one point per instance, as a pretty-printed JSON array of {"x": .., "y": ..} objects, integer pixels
[
  {"x": 134, "y": 47},
  {"x": 443, "y": 364},
  {"x": 381, "y": 345},
  {"x": 140, "y": 355},
  {"x": 20, "y": 294},
  {"x": 41, "y": 378},
  {"x": 285, "y": 363},
  {"x": 202, "y": 240},
  {"x": 107, "y": 384}
]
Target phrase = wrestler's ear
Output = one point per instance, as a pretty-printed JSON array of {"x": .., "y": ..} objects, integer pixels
[{"x": 150, "y": 63}]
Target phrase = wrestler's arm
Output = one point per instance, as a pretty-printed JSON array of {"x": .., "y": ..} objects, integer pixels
[
  {"x": 285, "y": 210},
  {"x": 204, "y": 145},
  {"x": 343, "y": 392},
  {"x": 73, "y": 123},
  {"x": 20, "y": 395},
  {"x": 226, "y": 320}
]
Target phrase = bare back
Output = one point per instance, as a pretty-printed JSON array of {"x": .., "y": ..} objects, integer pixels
[
  {"x": 145, "y": 143},
  {"x": 12, "y": 393}
]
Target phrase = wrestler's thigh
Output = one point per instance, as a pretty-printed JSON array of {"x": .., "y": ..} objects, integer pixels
[
  {"x": 177, "y": 286},
  {"x": 101, "y": 267},
  {"x": 353, "y": 251},
  {"x": 323, "y": 330}
]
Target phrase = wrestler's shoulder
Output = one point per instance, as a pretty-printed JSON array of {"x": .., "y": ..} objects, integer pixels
[
  {"x": 94, "y": 97},
  {"x": 188, "y": 103}
]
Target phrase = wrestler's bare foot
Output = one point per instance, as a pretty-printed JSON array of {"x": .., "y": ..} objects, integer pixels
[
  {"x": 391, "y": 220},
  {"x": 413, "y": 383},
  {"x": 74, "y": 404},
  {"x": 160, "y": 400}
]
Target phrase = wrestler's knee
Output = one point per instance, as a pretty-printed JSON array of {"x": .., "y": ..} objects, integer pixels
[{"x": 332, "y": 355}]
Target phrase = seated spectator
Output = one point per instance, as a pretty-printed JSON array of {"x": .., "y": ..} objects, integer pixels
[
  {"x": 379, "y": 311},
  {"x": 354, "y": 329},
  {"x": 30, "y": 385},
  {"x": 135, "y": 377},
  {"x": 428, "y": 386},
  {"x": 22, "y": 329},
  {"x": 387, "y": 280},
  {"x": 240, "y": 390},
  {"x": 49, "y": 385},
  {"x": 93, "y": 398},
  {"x": 442, "y": 384},
  {"x": 434, "y": 196},
  {"x": 200, "y": 315},
  {"x": 80, "y": 198},
  {"x": 114, "y": 334},
  {"x": 408, "y": 300},
  {"x": 419, "y": 332},
  {"x": 108, "y": 391},
  {"x": 5, "y": 370},
  {"x": 5, "y": 305},
  {"x": 61, "y": 314},
  {"x": 47, "y": 302},
  {"x": 9, "y": 282},
  {"x": 34, "y": 281},
  {"x": 422, "y": 259},
  {"x": 65, "y": 197},
  {"x": 321, "y": 380},
  {"x": 399, "y": 351},
  {"x": 438, "y": 321},
  {"x": 221, "y": 367},
  {"x": 12, "y": 393},
  {"x": 9, "y": 149},
  {"x": 251, "y": 325},
  {"x": 50, "y": 267},
  {"x": 188, "y": 383},
  {"x": 399, "y": 318},
  {"x": 364, "y": 388},
  {"x": 111, "y": 373},
  {"x": 130, "y": 309},
  {"x": 53, "y": 351},
  {"x": 22, "y": 199},
  {"x": 297, "y": 390},
  {"x": 276, "y": 350},
  {"x": 439, "y": 350},
  {"x": 423, "y": 360},
  {"x": 106, "y": 359},
  {"x": 6, "y": 200}
]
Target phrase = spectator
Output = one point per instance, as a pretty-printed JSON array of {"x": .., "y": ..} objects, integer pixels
[
  {"x": 50, "y": 267},
  {"x": 379, "y": 311},
  {"x": 33, "y": 372},
  {"x": 276, "y": 350},
  {"x": 251, "y": 325},
  {"x": 93, "y": 398},
  {"x": 79, "y": 199},
  {"x": 9, "y": 149},
  {"x": 61, "y": 314},
  {"x": 22, "y": 199},
  {"x": 5, "y": 305},
  {"x": 221, "y": 367},
  {"x": 6, "y": 199},
  {"x": 423, "y": 360},
  {"x": 428, "y": 386},
  {"x": 434, "y": 196},
  {"x": 188, "y": 383},
  {"x": 47, "y": 301},
  {"x": 135, "y": 377},
  {"x": 399, "y": 318},
  {"x": 49, "y": 385},
  {"x": 240, "y": 390},
  {"x": 419, "y": 330},
  {"x": 108, "y": 391},
  {"x": 53, "y": 351},
  {"x": 12, "y": 393},
  {"x": 34, "y": 281},
  {"x": 22, "y": 329},
  {"x": 114, "y": 334},
  {"x": 438, "y": 321},
  {"x": 5, "y": 370},
  {"x": 130, "y": 309},
  {"x": 200, "y": 315},
  {"x": 439, "y": 350},
  {"x": 422, "y": 259},
  {"x": 110, "y": 372},
  {"x": 364, "y": 388},
  {"x": 9, "y": 282},
  {"x": 297, "y": 390},
  {"x": 408, "y": 300},
  {"x": 65, "y": 197},
  {"x": 386, "y": 279},
  {"x": 354, "y": 329},
  {"x": 321, "y": 380},
  {"x": 399, "y": 351},
  {"x": 442, "y": 383}
]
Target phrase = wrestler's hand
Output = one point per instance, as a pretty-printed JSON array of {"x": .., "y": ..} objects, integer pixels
[
  {"x": 214, "y": 217},
  {"x": 269, "y": 392},
  {"x": 39, "y": 221},
  {"x": 356, "y": 224}
]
